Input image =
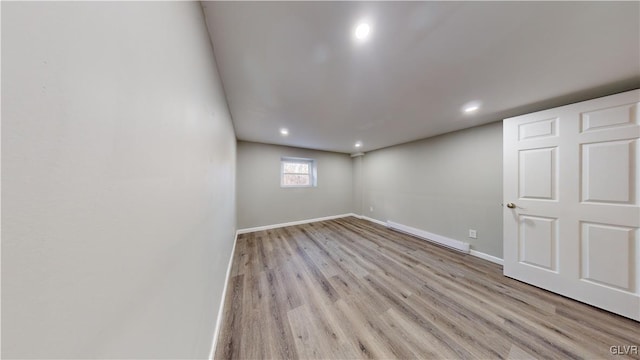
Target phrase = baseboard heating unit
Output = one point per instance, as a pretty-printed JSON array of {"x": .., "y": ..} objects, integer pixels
[{"x": 435, "y": 238}]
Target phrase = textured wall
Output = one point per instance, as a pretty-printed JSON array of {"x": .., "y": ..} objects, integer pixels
[{"x": 118, "y": 181}]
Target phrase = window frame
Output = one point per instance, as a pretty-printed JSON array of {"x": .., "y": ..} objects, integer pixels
[{"x": 313, "y": 171}]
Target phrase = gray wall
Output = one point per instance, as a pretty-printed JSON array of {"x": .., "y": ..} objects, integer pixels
[
  {"x": 445, "y": 185},
  {"x": 118, "y": 181},
  {"x": 357, "y": 184},
  {"x": 261, "y": 200}
]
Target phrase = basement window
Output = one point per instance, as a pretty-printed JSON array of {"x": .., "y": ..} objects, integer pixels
[{"x": 298, "y": 172}]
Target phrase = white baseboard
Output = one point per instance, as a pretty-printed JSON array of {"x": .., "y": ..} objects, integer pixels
[
  {"x": 370, "y": 219},
  {"x": 439, "y": 239},
  {"x": 481, "y": 255},
  {"x": 299, "y": 222},
  {"x": 436, "y": 238},
  {"x": 216, "y": 332}
]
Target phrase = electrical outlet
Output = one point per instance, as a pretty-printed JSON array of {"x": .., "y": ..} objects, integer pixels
[
  {"x": 473, "y": 234},
  {"x": 371, "y": 208}
]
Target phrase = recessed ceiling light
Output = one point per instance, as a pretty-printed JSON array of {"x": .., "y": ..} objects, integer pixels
[
  {"x": 362, "y": 31},
  {"x": 358, "y": 144},
  {"x": 284, "y": 132},
  {"x": 471, "y": 107}
]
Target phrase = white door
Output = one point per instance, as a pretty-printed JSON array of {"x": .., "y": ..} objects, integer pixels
[{"x": 572, "y": 199}]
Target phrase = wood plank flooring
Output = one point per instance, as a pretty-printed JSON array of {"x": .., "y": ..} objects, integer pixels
[{"x": 351, "y": 289}]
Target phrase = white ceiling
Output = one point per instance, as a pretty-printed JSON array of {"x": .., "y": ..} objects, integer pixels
[{"x": 296, "y": 65}]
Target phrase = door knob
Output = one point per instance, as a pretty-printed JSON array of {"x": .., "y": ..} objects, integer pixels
[{"x": 511, "y": 205}]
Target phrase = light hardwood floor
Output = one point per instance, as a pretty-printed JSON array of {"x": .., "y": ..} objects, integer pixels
[{"x": 347, "y": 288}]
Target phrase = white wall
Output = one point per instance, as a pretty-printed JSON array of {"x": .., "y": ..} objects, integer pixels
[
  {"x": 261, "y": 200},
  {"x": 118, "y": 164},
  {"x": 446, "y": 185}
]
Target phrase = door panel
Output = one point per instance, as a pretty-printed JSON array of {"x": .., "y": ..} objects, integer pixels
[
  {"x": 615, "y": 159},
  {"x": 538, "y": 241},
  {"x": 573, "y": 174},
  {"x": 625, "y": 115},
  {"x": 538, "y": 173},
  {"x": 537, "y": 129},
  {"x": 607, "y": 255}
]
